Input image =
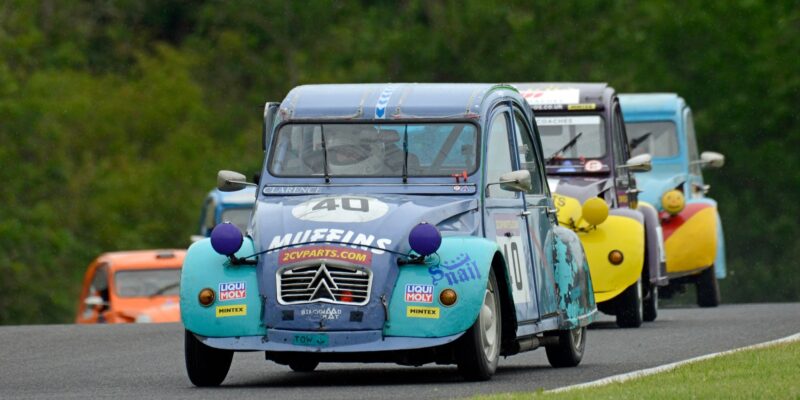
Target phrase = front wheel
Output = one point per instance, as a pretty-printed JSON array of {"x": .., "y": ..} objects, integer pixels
[
  {"x": 707, "y": 288},
  {"x": 205, "y": 365},
  {"x": 569, "y": 351},
  {"x": 303, "y": 365},
  {"x": 479, "y": 348},
  {"x": 629, "y": 306}
]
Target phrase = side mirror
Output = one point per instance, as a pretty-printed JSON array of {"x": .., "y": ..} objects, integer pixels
[
  {"x": 516, "y": 181},
  {"x": 94, "y": 301},
  {"x": 640, "y": 163},
  {"x": 712, "y": 159},
  {"x": 231, "y": 181}
]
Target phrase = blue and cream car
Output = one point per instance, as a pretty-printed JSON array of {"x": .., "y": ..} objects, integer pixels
[
  {"x": 662, "y": 124},
  {"x": 235, "y": 207},
  {"x": 405, "y": 223}
]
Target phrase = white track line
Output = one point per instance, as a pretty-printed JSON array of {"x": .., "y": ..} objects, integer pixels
[{"x": 668, "y": 367}]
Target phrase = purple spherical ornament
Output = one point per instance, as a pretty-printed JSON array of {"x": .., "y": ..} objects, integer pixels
[
  {"x": 424, "y": 239},
  {"x": 226, "y": 238}
]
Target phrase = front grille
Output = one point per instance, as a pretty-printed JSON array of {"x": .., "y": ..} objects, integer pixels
[{"x": 324, "y": 283}]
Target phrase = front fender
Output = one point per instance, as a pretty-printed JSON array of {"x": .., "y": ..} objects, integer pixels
[
  {"x": 463, "y": 265},
  {"x": 576, "y": 304},
  {"x": 656, "y": 265},
  {"x": 240, "y": 314},
  {"x": 690, "y": 238}
]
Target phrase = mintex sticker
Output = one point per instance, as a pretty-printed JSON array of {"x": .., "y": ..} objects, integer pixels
[
  {"x": 354, "y": 256},
  {"x": 232, "y": 291},
  {"x": 422, "y": 312},
  {"x": 237, "y": 310},
  {"x": 419, "y": 293}
]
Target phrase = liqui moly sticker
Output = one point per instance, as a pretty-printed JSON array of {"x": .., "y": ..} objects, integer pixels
[
  {"x": 419, "y": 293},
  {"x": 232, "y": 291}
]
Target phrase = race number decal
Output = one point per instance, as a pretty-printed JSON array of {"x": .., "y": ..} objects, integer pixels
[
  {"x": 510, "y": 241},
  {"x": 341, "y": 209}
]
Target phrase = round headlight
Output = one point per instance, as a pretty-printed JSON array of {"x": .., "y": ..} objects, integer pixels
[
  {"x": 226, "y": 239},
  {"x": 594, "y": 211},
  {"x": 424, "y": 239},
  {"x": 615, "y": 257},
  {"x": 673, "y": 202},
  {"x": 206, "y": 297},
  {"x": 448, "y": 297}
]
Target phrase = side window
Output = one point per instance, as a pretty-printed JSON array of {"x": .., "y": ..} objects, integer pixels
[
  {"x": 527, "y": 154},
  {"x": 691, "y": 140},
  {"x": 498, "y": 156}
]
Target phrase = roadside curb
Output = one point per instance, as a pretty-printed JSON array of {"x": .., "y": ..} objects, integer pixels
[{"x": 668, "y": 367}]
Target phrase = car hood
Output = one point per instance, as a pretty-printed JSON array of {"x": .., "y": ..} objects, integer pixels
[{"x": 579, "y": 187}]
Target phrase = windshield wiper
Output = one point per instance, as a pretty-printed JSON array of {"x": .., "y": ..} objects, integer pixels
[
  {"x": 405, "y": 154},
  {"x": 636, "y": 142},
  {"x": 165, "y": 288},
  {"x": 324, "y": 155},
  {"x": 564, "y": 147}
]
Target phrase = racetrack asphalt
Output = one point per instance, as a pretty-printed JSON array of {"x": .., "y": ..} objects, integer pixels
[{"x": 146, "y": 361}]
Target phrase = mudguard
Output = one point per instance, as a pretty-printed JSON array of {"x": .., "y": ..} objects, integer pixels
[
  {"x": 720, "y": 268},
  {"x": 656, "y": 264},
  {"x": 576, "y": 304},
  {"x": 690, "y": 238},
  {"x": 239, "y": 312},
  {"x": 461, "y": 264}
]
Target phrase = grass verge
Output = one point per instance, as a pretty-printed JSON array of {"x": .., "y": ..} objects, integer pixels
[{"x": 768, "y": 373}]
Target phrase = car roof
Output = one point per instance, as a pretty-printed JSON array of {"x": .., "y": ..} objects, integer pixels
[
  {"x": 650, "y": 103},
  {"x": 388, "y": 101},
  {"x": 143, "y": 259}
]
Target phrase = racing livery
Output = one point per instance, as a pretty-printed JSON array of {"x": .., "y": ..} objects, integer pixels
[
  {"x": 407, "y": 223},
  {"x": 589, "y": 169},
  {"x": 662, "y": 125}
]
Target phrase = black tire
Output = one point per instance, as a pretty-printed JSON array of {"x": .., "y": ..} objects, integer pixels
[
  {"x": 707, "y": 288},
  {"x": 303, "y": 365},
  {"x": 478, "y": 351},
  {"x": 629, "y": 306},
  {"x": 569, "y": 351},
  {"x": 650, "y": 306},
  {"x": 205, "y": 365}
]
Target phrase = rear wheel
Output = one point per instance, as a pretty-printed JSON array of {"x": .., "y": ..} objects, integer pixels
[
  {"x": 629, "y": 306},
  {"x": 479, "y": 348},
  {"x": 205, "y": 365},
  {"x": 707, "y": 288},
  {"x": 650, "y": 311},
  {"x": 569, "y": 351},
  {"x": 303, "y": 365}
]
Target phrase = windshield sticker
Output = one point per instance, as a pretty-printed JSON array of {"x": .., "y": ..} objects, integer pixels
[
  {"x": 422, "y": 312},
  {"x": 232, "y": 291},
  {"x": 383, "y": 101},
  {"x": 289, "y": 256},
  {"x": 419, "y": 293},
  {"x": 554, "y": 96},
  {"x": 237, "y": 310},
  {"x": 291, "y": 190},
  {"x": 341, "y": 209},
  {"x": 329, "y": 313},
  {"x": 558, "y": 121},
  {"x": 331, "y": 235},
  {"x": 462, "y": 269},
  {"x": 593, "y": 165}
]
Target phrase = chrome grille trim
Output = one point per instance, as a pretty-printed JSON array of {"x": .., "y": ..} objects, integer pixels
[{"x": 322, "y": 281}]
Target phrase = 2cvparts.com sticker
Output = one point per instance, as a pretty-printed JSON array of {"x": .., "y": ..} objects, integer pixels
[{"x": 341, "y": 209}]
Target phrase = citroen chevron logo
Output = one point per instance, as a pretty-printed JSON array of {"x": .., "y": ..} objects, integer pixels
[{"x": 323, "y": 285}]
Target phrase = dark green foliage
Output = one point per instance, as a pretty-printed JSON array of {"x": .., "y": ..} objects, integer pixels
[{"x": 116, "y": 115}]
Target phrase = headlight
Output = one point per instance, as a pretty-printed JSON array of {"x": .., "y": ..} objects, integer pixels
[{"x": 673, "y": 202}]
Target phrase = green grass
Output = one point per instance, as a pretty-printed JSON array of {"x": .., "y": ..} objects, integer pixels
[{"x": 768, "y": 373}]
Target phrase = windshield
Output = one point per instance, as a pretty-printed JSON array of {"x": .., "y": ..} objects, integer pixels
[
  {"x": 656, "y": 138},
  {"x": 434, "y": 149},
  {"x": 572, "y": 136},
  {"x": 239, "y": 216},
  {"x": 147, "y": 282}
]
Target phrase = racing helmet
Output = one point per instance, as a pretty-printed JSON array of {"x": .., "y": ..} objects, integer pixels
[{"x": 354, "y": 153}]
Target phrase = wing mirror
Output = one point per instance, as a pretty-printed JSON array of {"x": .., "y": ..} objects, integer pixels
[
  {"x": 711, "y": 159},
  {"x": 516, "y": 181},
  {"x": 231, "y": 181},
  {"x": 640, "y": 163}
]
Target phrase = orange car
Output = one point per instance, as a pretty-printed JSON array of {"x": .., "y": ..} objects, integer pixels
[{"x": 132, "y": 286}]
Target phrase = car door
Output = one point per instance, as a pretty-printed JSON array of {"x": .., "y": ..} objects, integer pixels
[
  {"x": 505, "y": 216},
  {"x": 623, "y": 181},
  {"x": 541, "y": 215}
]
